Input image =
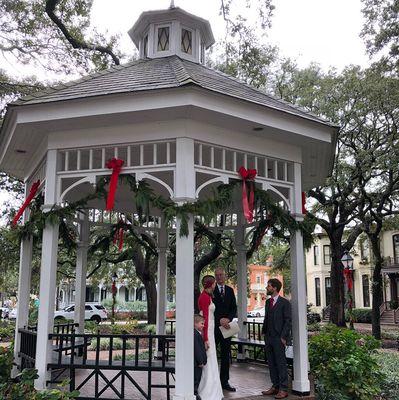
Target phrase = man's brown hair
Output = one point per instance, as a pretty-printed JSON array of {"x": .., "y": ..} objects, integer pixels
[{"x": 275, "y": 283}]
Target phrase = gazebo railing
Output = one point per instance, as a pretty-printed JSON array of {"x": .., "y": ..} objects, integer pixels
[
  {"x": 27, "y": 351},
  {"x": 112, "y": 363}
]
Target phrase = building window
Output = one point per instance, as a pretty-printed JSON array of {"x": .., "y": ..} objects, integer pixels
[
  {"x": 163, "y": 38},
  {"x": 316, "y": 255},
  {"x": 328, "y": 290},
  {"x": 396, "y": 248},
  {"x": 202, "y": 53},
  {"x": 258, "y": 278},
  {"x": 366, "y": 290},
  {"x": 145, "y": 46},
  {"x": 364, "y": 250},
  {"x": 326, "y": 255},
  {"x": 317, "y": 287},
  {"x": 186, "y": 41}
]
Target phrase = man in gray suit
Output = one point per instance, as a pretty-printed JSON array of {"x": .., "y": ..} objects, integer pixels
[{"x": 277, "y": 331}]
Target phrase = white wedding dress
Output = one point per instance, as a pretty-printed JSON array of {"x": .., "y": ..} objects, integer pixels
[{"x": 210, "y": 387}]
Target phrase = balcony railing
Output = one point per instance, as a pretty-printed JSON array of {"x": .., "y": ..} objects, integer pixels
[
  {"x": 258, "y": 286},
  {"x": 391, "y": 261}
]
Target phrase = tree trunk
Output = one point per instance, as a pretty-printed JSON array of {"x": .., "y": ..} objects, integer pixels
[
  {"x": 337, "y": 310},
  {"x": 151, "y": 293},
  {"x": 377, "y": 291}
]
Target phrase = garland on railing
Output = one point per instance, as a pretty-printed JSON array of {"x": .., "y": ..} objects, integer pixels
[{"x": 270, "y": 215}]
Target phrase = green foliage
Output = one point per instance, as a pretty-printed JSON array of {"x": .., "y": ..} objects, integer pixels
[
  {"x": 314, "y": 327},
  {"x": 343, "y": 364},
  {"x": 389, "y": 364},
  {"x": 381, "y": 28},
  {"x": 30, "y": 35},
  {"x": 7, "y": 331},
  {"x": 150, "y": 329},
  {"x": 23, "y": 389},
  {"x": 117, "y": 344},
  {"x": 360, "y": 315},
  {"x": 6, "y": 359}
]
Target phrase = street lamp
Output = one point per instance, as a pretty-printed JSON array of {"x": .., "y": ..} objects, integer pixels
[
  {"x": 114, "y": 277},
  {"x": 347, "y": 262}
]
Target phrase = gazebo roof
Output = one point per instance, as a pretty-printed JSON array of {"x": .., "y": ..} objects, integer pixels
[{"x": 162, "y": 73}]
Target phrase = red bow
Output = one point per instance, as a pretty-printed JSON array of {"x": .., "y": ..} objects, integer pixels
[
  {"x": 248, "y": 206},
  {"x": 348, "y": 277},
  {"x": 32, "y": 193},
  {"x": 116, "y": 165},
  {"x": 304, "y": 203}
]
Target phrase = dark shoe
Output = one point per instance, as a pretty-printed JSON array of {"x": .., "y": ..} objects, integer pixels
[
  {"x": 270, "y": 391},
  {"x": 197, "y": 397},
  {"x": 228, "y": 388},
  {"x": 281, "y": 395}
]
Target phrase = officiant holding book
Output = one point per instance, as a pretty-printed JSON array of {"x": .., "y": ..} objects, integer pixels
[{"x": 225, "y": 311}]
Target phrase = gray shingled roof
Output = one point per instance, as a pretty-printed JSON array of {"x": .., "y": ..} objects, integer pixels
[{"x": 161, "y": 73}]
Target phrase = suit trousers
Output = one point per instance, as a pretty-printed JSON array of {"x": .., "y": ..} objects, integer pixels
[
  {"x": 225, "y": 349},
  {"x": 275, "y": 352},
  {"x": 197, "y": 378}
]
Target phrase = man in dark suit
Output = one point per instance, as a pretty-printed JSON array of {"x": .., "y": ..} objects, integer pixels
[
  {"x": 200, "y": 357},
  {"x": 225, "y": 310},
  {"x": 277, "y": 331}
]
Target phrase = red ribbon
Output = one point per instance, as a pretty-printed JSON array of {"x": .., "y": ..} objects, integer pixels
[
  {"x": 119, "y": 237},
  {"x": 304, "y": 211},
  {"x": 32, "y": 193},
  {"x": 248, "y": 175},
  {"x": 116, "y": 165},
  {"x": 113, "y": 288},
  {"x": 348, "y": 277}
]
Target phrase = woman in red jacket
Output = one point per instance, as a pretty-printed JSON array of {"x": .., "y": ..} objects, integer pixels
[{"x": 209, "y": 387}]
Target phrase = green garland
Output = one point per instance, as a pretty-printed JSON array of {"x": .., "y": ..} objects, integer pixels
[{"x": 278, "y": 220}]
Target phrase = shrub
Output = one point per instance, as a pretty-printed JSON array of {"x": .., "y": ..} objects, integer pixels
[
  {"x": 360, "y": 315},
  {"x": 314, "y": 327},
  {"x": 6, "y": 359},
  {"x": 23, "y": 389},
  {"x": 389, "y": 363},
  {"x": 343, "y": 364},
  {"x": 7, "y": 331},
  {"x": 116, "y": 344},
  {"x": 394, "y": 304},
  {"x": 150, "y": 329}
]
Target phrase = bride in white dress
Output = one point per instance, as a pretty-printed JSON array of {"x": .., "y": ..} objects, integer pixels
[{"x": 210, "y": 387}]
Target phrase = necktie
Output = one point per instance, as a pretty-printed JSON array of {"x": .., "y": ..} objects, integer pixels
[
  {"x": 271, "y": 304},
  {"x": 222, "y": 291}
]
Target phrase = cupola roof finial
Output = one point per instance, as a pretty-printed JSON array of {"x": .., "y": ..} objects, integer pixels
[{"x": 172, "y": 4}]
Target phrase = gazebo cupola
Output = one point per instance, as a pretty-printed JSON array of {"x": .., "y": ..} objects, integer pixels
[{"x": 163, "y": 33}]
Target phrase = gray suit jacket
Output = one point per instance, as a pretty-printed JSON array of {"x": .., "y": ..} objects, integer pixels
[{"x": 281, "y": 325}]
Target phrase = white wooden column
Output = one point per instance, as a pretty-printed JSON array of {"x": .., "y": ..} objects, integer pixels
[
  {"x": 300, "y": 384},
  {"x": 81, "y": 270},
  {"x": 184, "y": 191},
  {"x": 241, "y": 281},
  {"x": 24, "y": 285},
  {"x": 48, "y": 274},
  {"x": 162, "y": 277}
]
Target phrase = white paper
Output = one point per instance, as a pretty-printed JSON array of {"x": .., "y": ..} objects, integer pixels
[
  {"x": 234, "y": 329},
  {"x": 289, "y": 352}
]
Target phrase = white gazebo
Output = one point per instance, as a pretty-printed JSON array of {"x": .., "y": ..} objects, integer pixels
[{"x": 183, "y": 128}]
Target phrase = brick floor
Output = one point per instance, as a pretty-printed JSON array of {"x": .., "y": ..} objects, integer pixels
[{"x": 248, "y": 378}]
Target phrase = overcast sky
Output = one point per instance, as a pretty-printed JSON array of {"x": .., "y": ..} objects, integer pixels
[{"x": 324, "y": 31}]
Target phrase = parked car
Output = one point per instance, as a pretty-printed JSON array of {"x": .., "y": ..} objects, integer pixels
[
  {"x": 93, "y": 312},
  {"x": 257, "y": 312},
  {"x": 4, "y": 312}
]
